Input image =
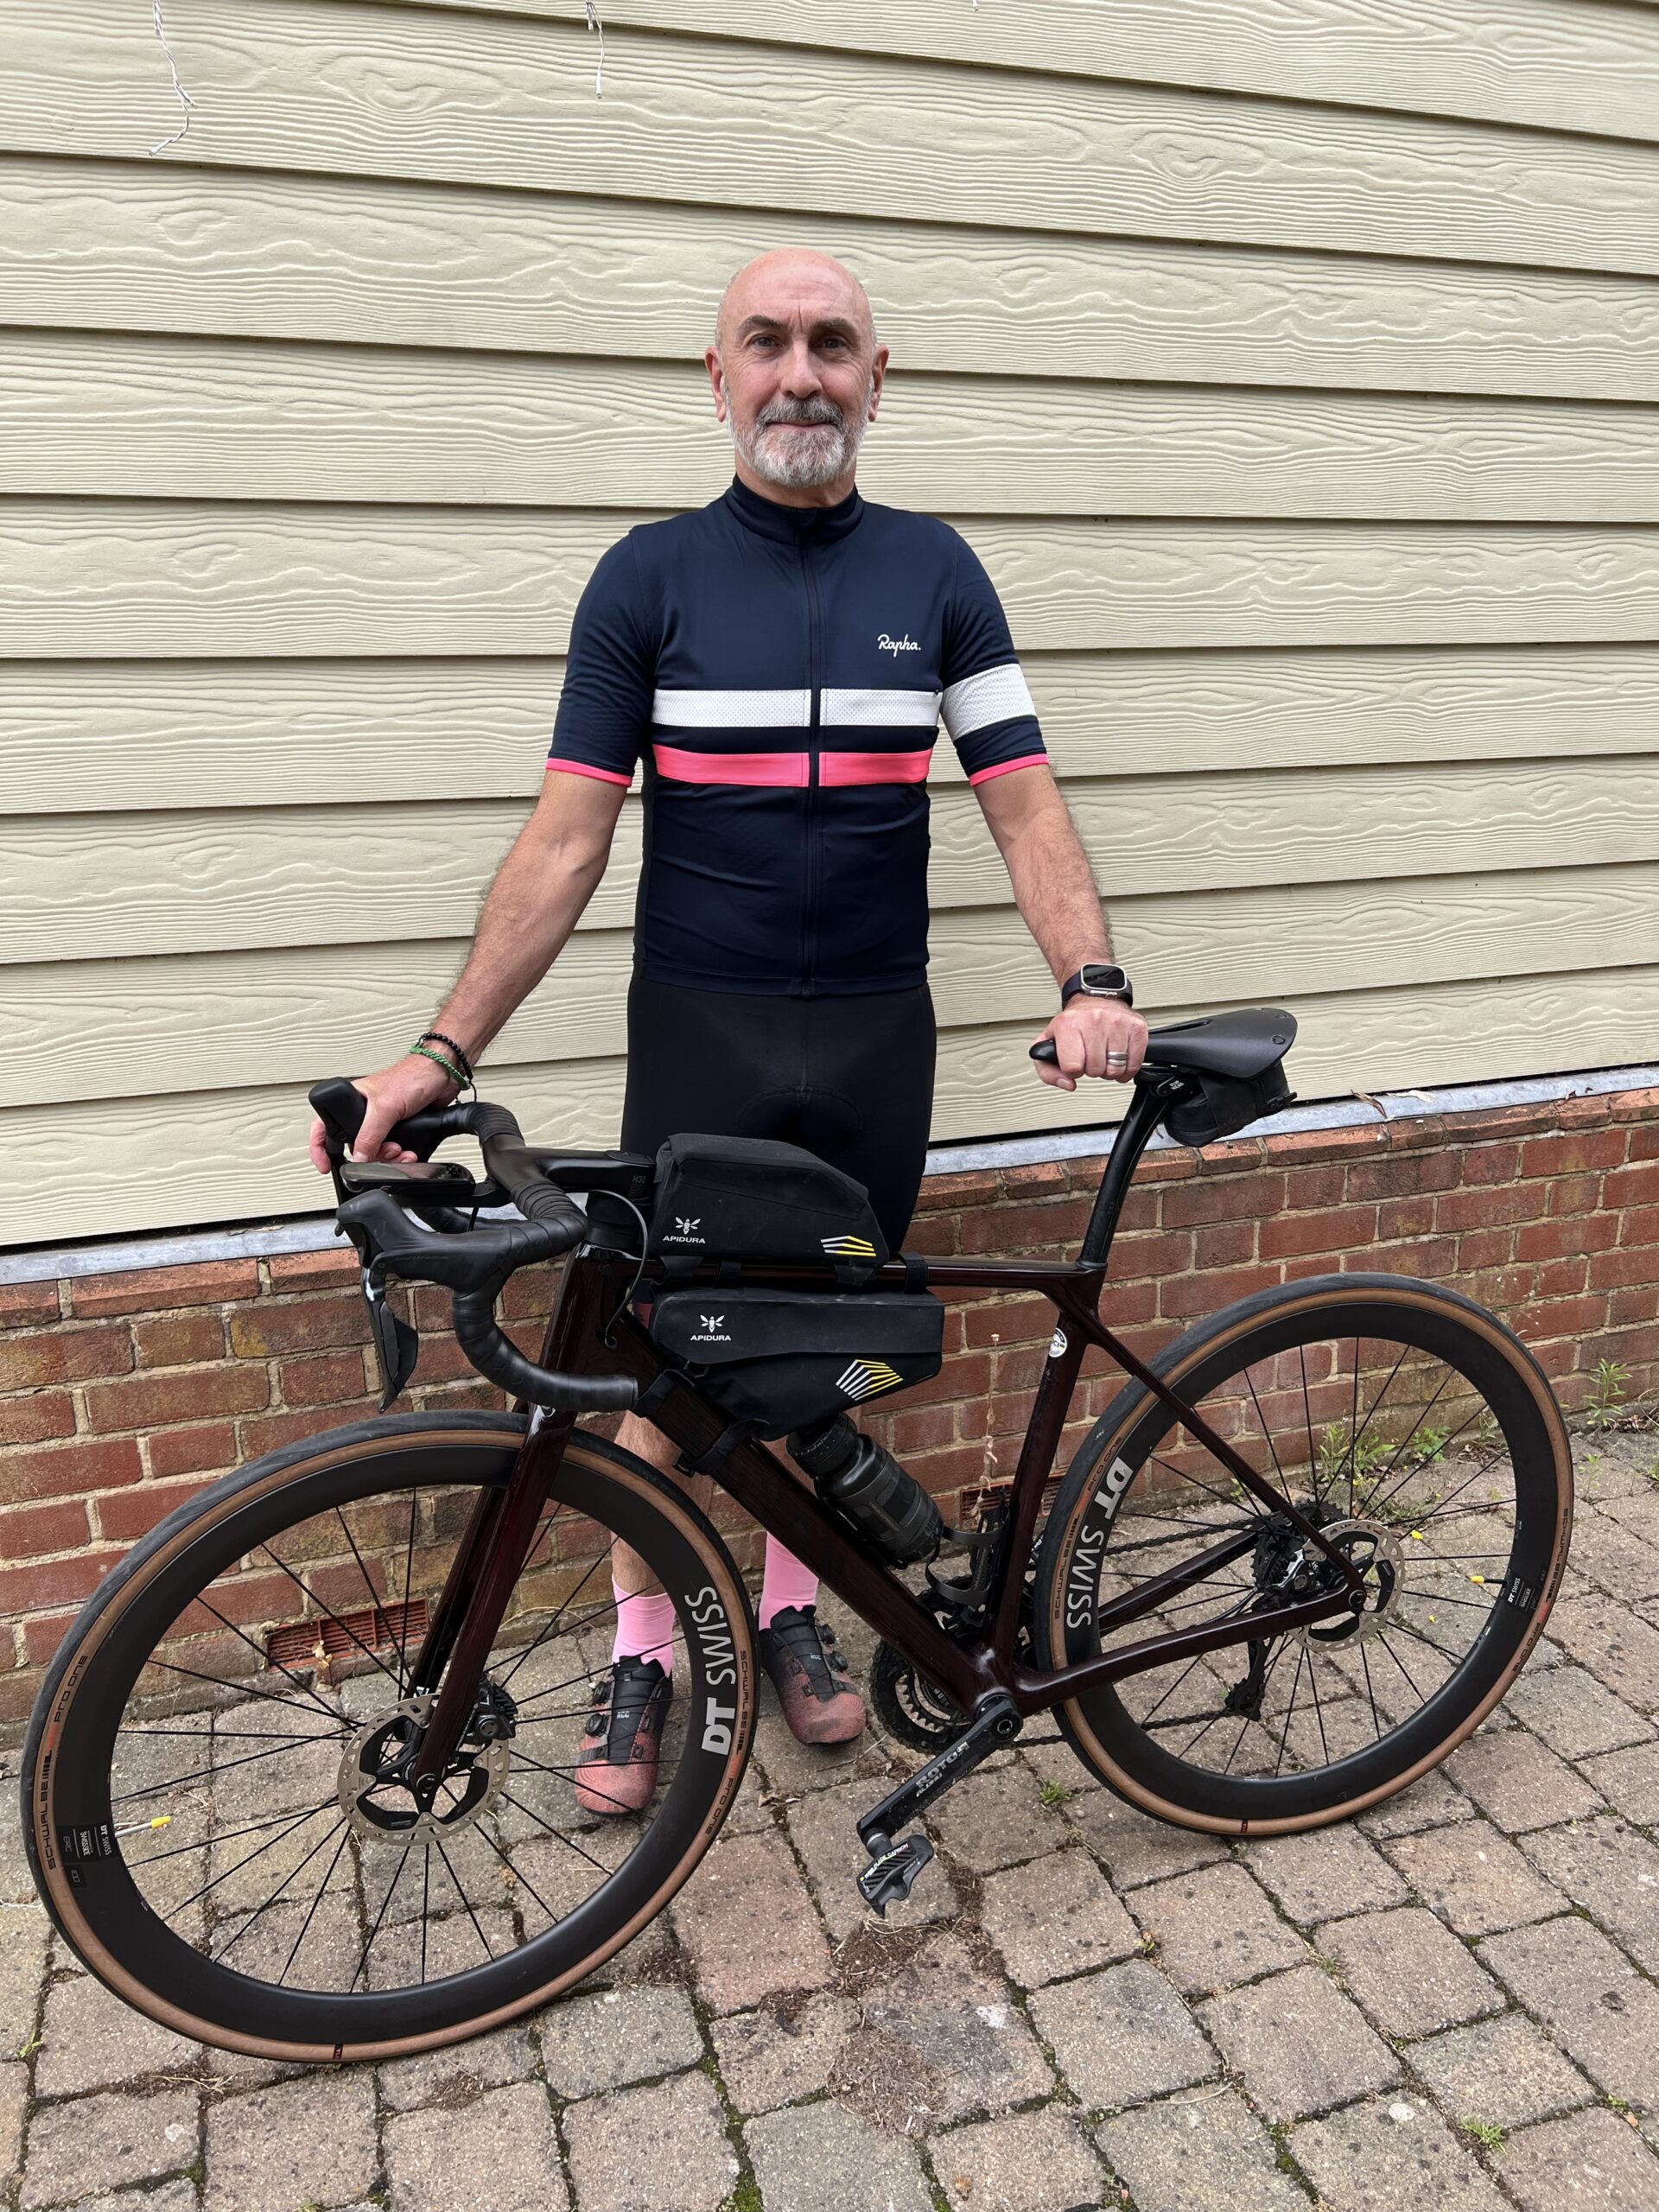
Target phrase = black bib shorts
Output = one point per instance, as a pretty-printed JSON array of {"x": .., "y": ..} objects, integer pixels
[{"x": 848, "y": 1077}]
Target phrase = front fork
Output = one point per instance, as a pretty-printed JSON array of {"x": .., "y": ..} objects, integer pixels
[{"x": 492, "y": 1555}]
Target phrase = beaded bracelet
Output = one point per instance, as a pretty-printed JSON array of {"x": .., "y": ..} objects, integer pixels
[
  {"x": 437, "y": 1037},
  {"x": 448, "y": 1066}
]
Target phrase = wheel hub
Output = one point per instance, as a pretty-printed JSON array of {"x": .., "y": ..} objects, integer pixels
[
  {"x": 381, "y": 1801},
  {"x": 1374, "y": 1549}
]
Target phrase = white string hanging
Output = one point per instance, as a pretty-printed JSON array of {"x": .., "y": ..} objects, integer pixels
[
  {"x": 595, "y": 24},
  {"x": 189, "y": 103}
]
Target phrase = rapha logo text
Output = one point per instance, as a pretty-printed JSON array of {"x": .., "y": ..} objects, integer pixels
[{"x": 904, "y": 645}]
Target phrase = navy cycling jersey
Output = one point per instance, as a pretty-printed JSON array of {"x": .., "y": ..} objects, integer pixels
[{"x": 781, "y": 673}]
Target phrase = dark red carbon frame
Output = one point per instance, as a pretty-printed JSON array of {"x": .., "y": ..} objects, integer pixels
[{"x": 582, "y": 1337}]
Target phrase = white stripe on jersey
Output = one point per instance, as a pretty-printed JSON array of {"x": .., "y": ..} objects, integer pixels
[
  {"x": 995, "y": 695},
  {"x": 731, "y": 709}
]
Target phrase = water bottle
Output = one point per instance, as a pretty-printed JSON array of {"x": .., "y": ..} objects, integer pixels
[{"x": 864, "y": 1480}]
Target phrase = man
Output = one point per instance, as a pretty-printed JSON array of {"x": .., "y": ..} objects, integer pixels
[{"x": 779, "y": 660}]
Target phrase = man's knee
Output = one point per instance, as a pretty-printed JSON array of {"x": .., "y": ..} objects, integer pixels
[{"x": 646, "y": 1441}]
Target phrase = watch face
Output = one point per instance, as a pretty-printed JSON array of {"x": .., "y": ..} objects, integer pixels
[{"x": 1102, "y": 975}]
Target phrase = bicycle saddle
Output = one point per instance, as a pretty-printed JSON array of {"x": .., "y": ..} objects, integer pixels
[{"x": 1242, "y": 1045}]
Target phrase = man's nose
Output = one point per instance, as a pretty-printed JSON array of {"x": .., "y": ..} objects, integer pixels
[{"x": 800, "y": 376}]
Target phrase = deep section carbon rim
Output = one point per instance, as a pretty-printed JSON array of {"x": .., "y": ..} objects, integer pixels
[
  {"x": 217, "y": 1809},
  {"x": 1418, "y": 1442}
]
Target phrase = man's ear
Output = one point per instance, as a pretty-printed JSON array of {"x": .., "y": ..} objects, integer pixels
[
  {"x": 878, "y": 377},
  {"x": 711, "y": 361}
]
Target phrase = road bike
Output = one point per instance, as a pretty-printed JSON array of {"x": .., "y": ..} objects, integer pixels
[{"x": 300, "y": 1780}]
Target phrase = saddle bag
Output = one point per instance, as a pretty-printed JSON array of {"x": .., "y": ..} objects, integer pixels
[
  {"x": 1221, "y": 1103},
  {"x": 751, "y": 1198},
  {"x": 787, "y": 1359}
]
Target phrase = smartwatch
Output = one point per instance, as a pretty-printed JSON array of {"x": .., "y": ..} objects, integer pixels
[{"x": 1098, "y": 979}]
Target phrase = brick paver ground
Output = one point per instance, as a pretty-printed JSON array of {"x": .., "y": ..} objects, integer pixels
[{"x": 1450, "y": 2002}]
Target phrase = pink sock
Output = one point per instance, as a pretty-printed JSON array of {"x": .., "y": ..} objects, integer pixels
[
  {"x": 645, "y": 1626},
  {"x": 786, "y": 1582}
]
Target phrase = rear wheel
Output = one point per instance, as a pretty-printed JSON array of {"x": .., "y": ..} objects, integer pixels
[
  {"x": 1424, "y": 1441},
  {"x": 204, "y": 1801}
]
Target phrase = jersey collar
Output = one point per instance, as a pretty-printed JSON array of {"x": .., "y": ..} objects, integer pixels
[{"x": 794, "y": 525}]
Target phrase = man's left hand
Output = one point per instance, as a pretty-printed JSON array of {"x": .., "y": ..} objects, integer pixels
[{"x": 1100, "y": 1036}]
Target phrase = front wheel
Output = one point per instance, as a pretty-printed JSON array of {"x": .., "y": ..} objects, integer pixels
[
  {"x": 1422, "y": 1439},
  {"x": 199, "y": 1795}
]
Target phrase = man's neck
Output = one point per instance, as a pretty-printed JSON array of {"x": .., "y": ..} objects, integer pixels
[{"x": 793, "y": 495}]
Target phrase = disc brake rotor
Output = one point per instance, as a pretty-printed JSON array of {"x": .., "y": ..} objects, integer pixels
[
  {"x": 379, "y": 1805},
  {"x": 1374, "y": 1549}
]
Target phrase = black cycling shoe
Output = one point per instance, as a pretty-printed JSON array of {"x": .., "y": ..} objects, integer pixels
[
  {"x": 616, "y": 1767},
  {"x": 800, "y": 1654}
]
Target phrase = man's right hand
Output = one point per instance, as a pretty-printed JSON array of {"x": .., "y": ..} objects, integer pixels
[{"x": 394, "y": 1094}]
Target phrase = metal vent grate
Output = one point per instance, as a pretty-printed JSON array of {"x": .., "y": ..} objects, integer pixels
[{"x": 395, "y": 1628}]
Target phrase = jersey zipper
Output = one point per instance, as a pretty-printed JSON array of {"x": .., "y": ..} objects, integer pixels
[{"x": 815, "y": 678}]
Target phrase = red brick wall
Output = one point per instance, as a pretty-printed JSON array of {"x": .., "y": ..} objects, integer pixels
[{"x": 122, "y": 1394}]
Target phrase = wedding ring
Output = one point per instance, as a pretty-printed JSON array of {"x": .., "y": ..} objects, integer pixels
[{"x": 1117, "y": 1059}]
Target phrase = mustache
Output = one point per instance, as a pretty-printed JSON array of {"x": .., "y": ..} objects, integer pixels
[{"x": 811, "y": 411}]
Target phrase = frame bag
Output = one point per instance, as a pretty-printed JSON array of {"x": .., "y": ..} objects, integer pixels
[{"x": 784, "y": 1359}]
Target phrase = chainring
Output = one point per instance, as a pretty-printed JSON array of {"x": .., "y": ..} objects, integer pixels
[{"x": 911, "y": 1707}]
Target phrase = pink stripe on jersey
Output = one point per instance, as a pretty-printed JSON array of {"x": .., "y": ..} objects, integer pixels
[
  {"x": 581, "y": 768},
  {"x": 874, "y": 767},
  {"x": 1004, "y": 767},
  {"x": 685, "y": 767}
]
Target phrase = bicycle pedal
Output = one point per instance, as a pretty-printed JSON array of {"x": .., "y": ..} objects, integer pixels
[{"x": 891, "y": 1873}]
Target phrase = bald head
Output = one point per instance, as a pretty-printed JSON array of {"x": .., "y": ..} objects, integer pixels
[
  {"x": 787, "y": 282},
  {"x": 796, "y": 374}
]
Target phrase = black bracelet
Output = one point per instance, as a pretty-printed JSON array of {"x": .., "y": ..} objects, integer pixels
[{"x": 437, "y": 1037}]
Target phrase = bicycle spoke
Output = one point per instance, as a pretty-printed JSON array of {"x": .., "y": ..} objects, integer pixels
[
  {"x": 311, "y": 1911},
  {"x": 344, "y": 1627},
  {"x": 552, "y": 1830},
  {"x": 211, "y": 1772},
  {"x": 552, "y": 1623},
  {"x": 385, "y": 1901},
  {"x": 466, "y": 1900},
  {"x": 292, "y": 1873},
  {"x": 1312, "y": 1456},
  {"x": 233, "y": 1735},
  {"x": 1319, "y": 1708},
  {"x": 520, "y": 1875},
  {"x": 426, "y": 1900},
  {"x": 268, "y": 1844},
  {"x": 1365, "y": 1667},
  {"x": 1267, "y": 1433},
  {"x": 1301, "y": 1654},
  {"x": 246, "y": 1689}
]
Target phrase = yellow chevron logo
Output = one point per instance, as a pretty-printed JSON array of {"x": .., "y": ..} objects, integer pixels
[
  {"x": 863, "y": 1378},
  {"x": 849, "y": 1248}
]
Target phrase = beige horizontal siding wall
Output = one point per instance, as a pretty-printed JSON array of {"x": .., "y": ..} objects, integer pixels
[{"x": 1292, "y": 364}]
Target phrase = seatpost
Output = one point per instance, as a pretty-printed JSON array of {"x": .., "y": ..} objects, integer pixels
[{"x": 1153, "y": 1094}]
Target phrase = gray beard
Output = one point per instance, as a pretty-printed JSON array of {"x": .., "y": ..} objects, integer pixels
[{"x": 802, "y": 460}]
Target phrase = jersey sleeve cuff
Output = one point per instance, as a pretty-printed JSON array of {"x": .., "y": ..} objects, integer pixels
[
  {"x": 586, "y": 768},
  {"x": 1037, "y": 760}
]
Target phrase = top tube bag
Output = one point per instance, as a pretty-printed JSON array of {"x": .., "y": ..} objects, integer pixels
[{"x": 751, "y": 1199}]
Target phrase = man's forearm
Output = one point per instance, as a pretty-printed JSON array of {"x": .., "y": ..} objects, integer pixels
[
  {"x": 532, "y": 908},
  {"x": 1054, "y": 888}
]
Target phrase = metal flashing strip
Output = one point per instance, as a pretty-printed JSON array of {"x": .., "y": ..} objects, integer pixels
[
  {"x": 1351, "y": 1112},
  {"x": 316, "y": 1232}
]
